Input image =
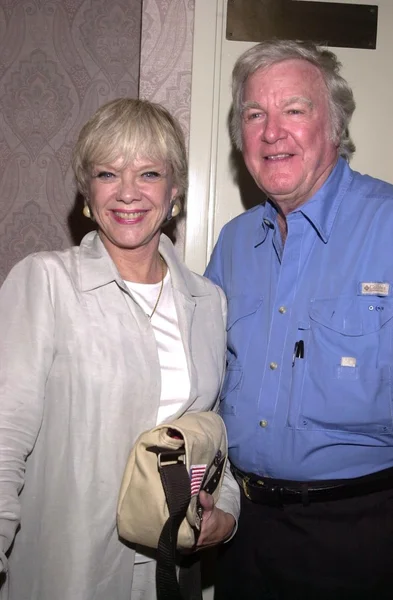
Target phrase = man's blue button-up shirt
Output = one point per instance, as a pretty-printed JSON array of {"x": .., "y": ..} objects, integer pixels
[{"x": 325, "y": 412}]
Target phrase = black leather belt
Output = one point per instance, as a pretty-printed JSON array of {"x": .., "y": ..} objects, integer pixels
[{"x": 277, "y": 492}]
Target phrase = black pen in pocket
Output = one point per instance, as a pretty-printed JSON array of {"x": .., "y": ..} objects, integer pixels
[{"x": 298, "y": 351}]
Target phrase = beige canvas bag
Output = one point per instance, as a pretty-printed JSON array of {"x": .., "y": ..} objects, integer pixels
[{"x": 184, "y": 457}]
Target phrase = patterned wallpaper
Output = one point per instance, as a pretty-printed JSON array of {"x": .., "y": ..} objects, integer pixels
[
  {"x": 59, "y": 61},
  {"x": 166, "y": 62}
]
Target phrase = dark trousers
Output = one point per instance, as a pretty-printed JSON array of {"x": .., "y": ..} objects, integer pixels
[{"x": 338, "y": 550}]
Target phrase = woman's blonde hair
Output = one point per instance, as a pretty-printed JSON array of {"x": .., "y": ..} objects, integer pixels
[{"x": 130, "y": 129}]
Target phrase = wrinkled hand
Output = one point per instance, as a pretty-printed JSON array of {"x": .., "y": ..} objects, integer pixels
[{"x": 217, "y": 525}]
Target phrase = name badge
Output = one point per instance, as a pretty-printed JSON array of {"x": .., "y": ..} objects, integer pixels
[
  {"x": 375, "y": 289},
  {"x": 348, "y": 361}
]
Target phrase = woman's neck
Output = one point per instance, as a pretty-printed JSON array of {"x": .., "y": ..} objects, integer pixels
[{"x": 140, "y": 265}]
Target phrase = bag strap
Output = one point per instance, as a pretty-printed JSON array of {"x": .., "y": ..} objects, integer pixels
[{"x": 176, "y": 484}]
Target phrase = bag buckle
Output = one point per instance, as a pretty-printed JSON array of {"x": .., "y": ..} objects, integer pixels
[
  {"x": 167, "y": 456},
  {"x": 170, "y": 457}
]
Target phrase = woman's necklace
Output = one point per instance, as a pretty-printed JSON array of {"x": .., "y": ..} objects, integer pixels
[{"x": 161, "y": 287}]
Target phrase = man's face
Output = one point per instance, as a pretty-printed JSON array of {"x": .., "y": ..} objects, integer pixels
[{"x": 287, "y": 133}]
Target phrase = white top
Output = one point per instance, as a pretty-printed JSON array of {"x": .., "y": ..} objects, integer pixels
[{"x": 175, "y": 380}]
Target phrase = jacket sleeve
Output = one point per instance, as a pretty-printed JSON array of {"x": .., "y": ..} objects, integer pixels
[
  {"x": 26, "y": 327},
  {"x": 229, "y": 500}
]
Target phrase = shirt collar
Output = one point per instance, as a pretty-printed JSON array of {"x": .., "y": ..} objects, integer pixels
[
  {"x": 96, "y": 266},
  {"x": 320, "y": 210}
]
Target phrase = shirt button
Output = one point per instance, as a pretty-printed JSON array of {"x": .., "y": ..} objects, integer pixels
[
  {"x": 282, "y": 310},
  {"x": 273, "y": 366},
  {"x": 263, "y": 423}
]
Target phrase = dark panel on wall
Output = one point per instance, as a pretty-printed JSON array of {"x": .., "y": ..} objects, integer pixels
[{"x": 327, "y": 23}]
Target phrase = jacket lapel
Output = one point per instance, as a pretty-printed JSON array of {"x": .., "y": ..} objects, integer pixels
[{"x": 187, "y": 289}]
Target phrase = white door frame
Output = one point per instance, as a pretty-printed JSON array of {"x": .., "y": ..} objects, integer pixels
[{"x": 209, "y": 28}]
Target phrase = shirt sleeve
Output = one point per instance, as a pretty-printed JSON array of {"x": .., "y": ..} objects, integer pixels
[{"x": 26, "y": 349}]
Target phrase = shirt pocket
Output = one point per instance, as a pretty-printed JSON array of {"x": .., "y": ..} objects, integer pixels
[
  {"x": 356, "y": 398},
  {"x": 242, "y": 309}
]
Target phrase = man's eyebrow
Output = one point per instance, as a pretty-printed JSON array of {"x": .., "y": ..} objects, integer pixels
[
  {"x": 292, "y": 100},
  {"x": 250, "y": 104},
  {"x": 298, "y": 99}
]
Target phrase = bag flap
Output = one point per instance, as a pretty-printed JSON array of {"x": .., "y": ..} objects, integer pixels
[{"x": 142, "y": 509}]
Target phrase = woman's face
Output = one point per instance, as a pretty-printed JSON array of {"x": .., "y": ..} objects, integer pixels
[{"x": 130, "y": 203}]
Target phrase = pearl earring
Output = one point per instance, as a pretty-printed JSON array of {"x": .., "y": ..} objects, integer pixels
[
  {"x": 86, "y": 211},
  {"x": 175, "y": 209}
]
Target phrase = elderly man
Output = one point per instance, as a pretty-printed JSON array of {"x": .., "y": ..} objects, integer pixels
[{"x": 307, "y": 398}]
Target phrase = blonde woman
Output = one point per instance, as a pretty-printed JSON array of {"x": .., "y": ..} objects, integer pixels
[{"x": 101, "y": 342}]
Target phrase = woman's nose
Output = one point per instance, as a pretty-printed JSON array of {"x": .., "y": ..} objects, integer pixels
[{"x": 129, "y": 190}]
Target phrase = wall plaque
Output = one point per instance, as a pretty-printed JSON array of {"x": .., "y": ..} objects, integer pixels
[{"x": 326, "y": 23}]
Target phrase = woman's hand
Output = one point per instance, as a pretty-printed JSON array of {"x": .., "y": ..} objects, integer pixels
[{"x": 217, "y": 525}]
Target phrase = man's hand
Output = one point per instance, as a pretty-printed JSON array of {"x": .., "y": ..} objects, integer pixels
[{"x": 217, "y": 525}]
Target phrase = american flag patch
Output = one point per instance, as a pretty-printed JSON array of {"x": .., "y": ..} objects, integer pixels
[{"x": 197, "y": 473}]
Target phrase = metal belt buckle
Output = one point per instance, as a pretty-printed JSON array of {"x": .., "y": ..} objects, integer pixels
[{"x": 245, "y": 481}]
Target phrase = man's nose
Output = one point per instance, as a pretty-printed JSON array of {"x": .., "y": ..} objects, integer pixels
[{"x": 273, "y": 129}]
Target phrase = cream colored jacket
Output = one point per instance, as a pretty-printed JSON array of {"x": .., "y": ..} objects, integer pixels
[{"x": 79, "y": 381}]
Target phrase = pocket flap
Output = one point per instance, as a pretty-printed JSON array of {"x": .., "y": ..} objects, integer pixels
[
  {"x": 241, "y": 306},
  {"x": 352, "y": 316}
]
